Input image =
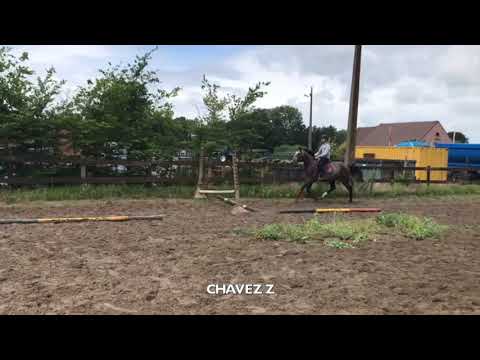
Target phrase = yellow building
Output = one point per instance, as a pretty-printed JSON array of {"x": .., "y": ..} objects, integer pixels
[{"x": 423, "y": 156}]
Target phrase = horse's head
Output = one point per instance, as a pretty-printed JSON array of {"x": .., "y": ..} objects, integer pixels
[
  {"x": 301, "y": 154},
  {"x": 298, "y": 156}
]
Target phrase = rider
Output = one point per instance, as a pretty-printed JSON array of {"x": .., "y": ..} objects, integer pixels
[{"x": 323, "y": 154}]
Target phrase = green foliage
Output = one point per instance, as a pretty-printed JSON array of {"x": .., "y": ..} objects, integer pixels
[
  {"x": 286, "y": 127},
  {"x": 420, "y": 190},
  {"x": 137, "y": 191},
  {"x": 344, "y": 234},
  {"x": 336, "y": 137},
  {"x": 214, "y": 103},
  {"x": 357, "y": 231},
  {"x": 268, "y": 128},
  {"x": 123, "y": 110},
  {"x": 226, "y": 124},
  {"x": 95, "y": 192},
  {"x": 239, "y": 106},
  {"x": 336, "y": 232},
  {"x": 26, "y": 106},
  {"x": 460, "y": 138},
  {"x": 338, "y": 244},
  {"x": 290, "y": 232},
  {"x": 412, "y": 226},
  {"x": 338, "y": 151}
]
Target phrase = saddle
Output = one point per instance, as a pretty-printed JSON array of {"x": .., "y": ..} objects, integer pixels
[{"x": 326, "y": 168}]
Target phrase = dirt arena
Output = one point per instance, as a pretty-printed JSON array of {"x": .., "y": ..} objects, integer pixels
[{"x": 164, "y": 267}]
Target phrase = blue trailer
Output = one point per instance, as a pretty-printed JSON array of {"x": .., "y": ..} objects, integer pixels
[{"x": 463, "y": 156}]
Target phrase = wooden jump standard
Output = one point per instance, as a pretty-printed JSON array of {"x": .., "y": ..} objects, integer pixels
[
  {"x": 330, "y": 210},
  {"x": 80, "y": 219},
  {"x": 200, "y": 193}
]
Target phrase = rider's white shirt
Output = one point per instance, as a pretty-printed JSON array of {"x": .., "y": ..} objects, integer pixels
[{"x": 324, "y": 151}]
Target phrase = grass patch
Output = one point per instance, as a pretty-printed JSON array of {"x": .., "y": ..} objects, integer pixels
[
  {"x": 398, "y": 189},
  {"x": 361, "y": 190},
  {"x": 288, "y": 191},
  {"x": 338, "y": 244},
  {"x": 412, "y": 226},
  {"x": 334, "y": 233},
  {"x": 93, "y": 192},
  {"x": 350, "y": 233}
]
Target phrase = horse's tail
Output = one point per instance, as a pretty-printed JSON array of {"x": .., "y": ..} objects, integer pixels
[{"x": 356, "y": 172}]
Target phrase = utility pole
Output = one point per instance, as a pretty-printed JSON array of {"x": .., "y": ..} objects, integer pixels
[
  {"x": 310, "y": 126},
  {"x": 353, "y": 110}
]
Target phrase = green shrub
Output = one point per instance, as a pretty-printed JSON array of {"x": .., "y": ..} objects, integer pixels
[
  {"x": 313, "y": 230},
  {"x": 412, "y": 226},
  {"x": 349, "y": 233},
  {"x": 338, "y": 244}
]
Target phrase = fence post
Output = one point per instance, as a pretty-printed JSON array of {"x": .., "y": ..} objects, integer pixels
[
  {"x": 83, "y": 172},
  {"x": 200, "y": 176},
  {"x": 428, "y": 175},
  {"x": 209, "y": 171},
  {"x": 236, "y": 186}
]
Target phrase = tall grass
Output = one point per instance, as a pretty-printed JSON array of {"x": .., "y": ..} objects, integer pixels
[
  {"x": 350, "y": 233},
  {"x": 335, "y": 233},
  {"x": 91, "y": 192},
  {"x": 412, "y": 226},
  {"x": 87, "y": 192}
]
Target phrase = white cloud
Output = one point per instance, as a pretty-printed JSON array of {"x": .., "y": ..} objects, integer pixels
[
  {"x": 58, "y": 54},
  {"x": 398, "y": 83}
]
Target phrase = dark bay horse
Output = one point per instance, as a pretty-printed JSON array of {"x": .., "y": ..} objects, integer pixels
[{"x": 334, "y": 171}]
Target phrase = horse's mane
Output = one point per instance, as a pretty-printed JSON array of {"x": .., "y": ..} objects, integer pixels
[{"x": 309, "y": 151}]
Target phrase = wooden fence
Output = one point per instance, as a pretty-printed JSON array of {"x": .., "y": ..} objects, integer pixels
[{"x": 181, "y": 172}]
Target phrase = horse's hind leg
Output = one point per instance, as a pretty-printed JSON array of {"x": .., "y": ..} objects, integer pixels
[
  {"x": 332, "y": 188},
  {"x": 349, "y": 186}
]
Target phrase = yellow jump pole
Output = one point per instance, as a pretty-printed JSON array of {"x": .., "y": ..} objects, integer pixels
[
  {"x": 348, "y": 210},
  {"x": 80, "y": 219},
  {"x": 330, "y": 210}
]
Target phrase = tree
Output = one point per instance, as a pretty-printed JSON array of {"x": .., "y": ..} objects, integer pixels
[
  {"x": 124, "y": 109},
  {"x": 339, "y": 150},
  {"x": 226, "y": 122},
  {"x": 249, "y": 130},
  {"x": 184, "y": 130},
  {"x": 238, "y": 106},
  {"x": 459, "y": 137},
  {"x": 26, "y": 107},
  {"x": 287, "y": 127},
  {"x": 336, "y": 137}
]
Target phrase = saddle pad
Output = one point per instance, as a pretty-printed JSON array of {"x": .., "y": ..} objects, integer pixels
[{"x": 329, "y": 168}]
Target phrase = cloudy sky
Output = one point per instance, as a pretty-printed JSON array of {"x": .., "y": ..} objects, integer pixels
[{"x": 398, "y": 83}]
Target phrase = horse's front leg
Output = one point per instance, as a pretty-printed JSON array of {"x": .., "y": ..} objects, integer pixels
[
  {"x": 332, "y": 188},
  {"x": 309, "y": 191},
  {"x": 300, "y": 193}
]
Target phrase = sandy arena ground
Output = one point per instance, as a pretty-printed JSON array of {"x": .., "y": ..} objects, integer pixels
[{"x": 164, "y": 267}]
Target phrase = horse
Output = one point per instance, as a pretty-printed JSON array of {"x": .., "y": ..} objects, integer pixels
[{"x": 333, "y": 171}]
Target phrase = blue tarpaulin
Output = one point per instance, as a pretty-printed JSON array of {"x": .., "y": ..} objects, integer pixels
[{"x": 413, "y": 143}]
